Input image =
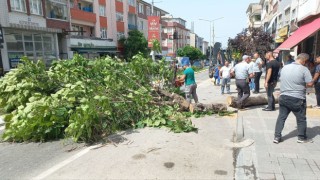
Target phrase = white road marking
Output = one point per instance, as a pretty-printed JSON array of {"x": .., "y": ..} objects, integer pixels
[{"x": 64, "y": 163}]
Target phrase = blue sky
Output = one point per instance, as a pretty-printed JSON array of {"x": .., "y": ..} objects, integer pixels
[{"x": 233, "y": 11}]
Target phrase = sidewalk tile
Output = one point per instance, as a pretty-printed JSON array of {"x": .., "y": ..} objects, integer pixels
[
  {"x": 303, "y": 168},
  {"x": 315, "y": 168},
  {"x": 282, "y": 160},
  {"x": 300, "y": 161},
  {"x": 290, "y": 155},
  {"x": 279, "y": 177},
  {"x": 267, "y": 176}
]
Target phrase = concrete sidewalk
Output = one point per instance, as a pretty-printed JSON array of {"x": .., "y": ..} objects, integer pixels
[{"x": 264, "y": 159}]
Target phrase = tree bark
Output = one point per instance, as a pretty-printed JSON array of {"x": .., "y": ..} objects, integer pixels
[
  {"x": 186, "y": 106},
  {"x": 207, "y": 108},
  {"x": 251, "y": 101}
]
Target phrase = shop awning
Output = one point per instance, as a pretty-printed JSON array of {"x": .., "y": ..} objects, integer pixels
[{"x": 299, "y": 35}]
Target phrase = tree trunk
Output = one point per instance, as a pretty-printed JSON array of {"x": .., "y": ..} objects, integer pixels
[
  {"x": 251, "y": 101},
  {"x": 186, "y": 106},
  {"x": 176, "y": 98},
  {"x": 207, "y": 108}
]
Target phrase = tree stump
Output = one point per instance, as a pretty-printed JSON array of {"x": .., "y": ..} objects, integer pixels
[{"x": 207, "y": 107}]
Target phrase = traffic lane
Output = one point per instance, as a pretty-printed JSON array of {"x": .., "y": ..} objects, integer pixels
[
  {"x": 25, "y": 160},
  {"x": 202, "y": 76}
]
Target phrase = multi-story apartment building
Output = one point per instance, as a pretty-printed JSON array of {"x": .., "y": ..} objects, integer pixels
[
  {"x": 144, "y": 10},
  {"x": 254, "y": 15},
  {"x": 97, "y": 25},
  {"x": 196, "y": 41},
  {"x": 205, "y": 46},
  {"x": 32, "y": 28},
  {"x": 176, "y": 33}
]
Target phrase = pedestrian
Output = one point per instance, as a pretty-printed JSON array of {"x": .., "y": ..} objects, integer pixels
[
  {"x": 216, "y": 75},
  {"x": 251, "y": 83},
  {"x": 225, "y": 75},
  {"x": 242, "y": 74},
  {"x": 316, "y": 80},
  {"x": 257, "y": 70},
  {"x": 272, "y": 72},
  {"x": 293, "y": 97},
  {"x": 190, "y": 83},
  {"x": 289, "y": 59}
]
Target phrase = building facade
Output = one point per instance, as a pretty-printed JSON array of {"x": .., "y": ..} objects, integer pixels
[
  {"x": 176, "y": 35},
  {"x": 32, "y": 28},
  {"x": 254, "y": 15}
]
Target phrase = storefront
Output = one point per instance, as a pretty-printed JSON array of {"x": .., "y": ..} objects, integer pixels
[{"x": 35, "y": 45}]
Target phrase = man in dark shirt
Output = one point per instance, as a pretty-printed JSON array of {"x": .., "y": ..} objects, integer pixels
[{"x": 272, "y": 71}]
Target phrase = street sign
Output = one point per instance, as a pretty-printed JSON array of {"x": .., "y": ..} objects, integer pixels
[{"x": 1, "y": 35}]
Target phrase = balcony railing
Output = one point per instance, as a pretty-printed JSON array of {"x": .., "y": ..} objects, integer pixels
[
  {"x": 83, "y": 15},
  {"x": 132, "y": 27}
]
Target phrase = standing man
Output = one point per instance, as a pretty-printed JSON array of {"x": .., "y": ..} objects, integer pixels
[
  {"x": 190, "y": 82},
  {"x": 242, "y": 74},
  {"x": 316, "y": 80},
  {"x": 225, "y": 75},
  {"x": 294, "y": 78},
  {"x": 216, "y": 75},
  {"x": 272, "y": 71},
  {"x": 257, "y": 72}
]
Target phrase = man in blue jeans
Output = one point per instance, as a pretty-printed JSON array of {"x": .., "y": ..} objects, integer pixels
[
  {"x": 293, "y": 97},
  {"x": 272, "y": 71}
]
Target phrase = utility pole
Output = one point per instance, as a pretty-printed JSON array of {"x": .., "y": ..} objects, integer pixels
[
  {"x": 211, "y": 36},
  {"x": 152, "y": 6}
]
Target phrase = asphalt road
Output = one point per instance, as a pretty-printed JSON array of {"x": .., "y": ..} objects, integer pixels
[{"x": 29, "y": 160}]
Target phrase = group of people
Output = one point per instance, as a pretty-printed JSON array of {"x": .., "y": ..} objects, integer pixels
[{"x": 295, "y": 77}]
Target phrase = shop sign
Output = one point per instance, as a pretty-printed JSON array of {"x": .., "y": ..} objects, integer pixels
[
  {"x": 153, "y": 29},
  {"x": 29, "y": 23},
  {"x": 279, "y": 40},
  {"x": 283, "y": 32}
]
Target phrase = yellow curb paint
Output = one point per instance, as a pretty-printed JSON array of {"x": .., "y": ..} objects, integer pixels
[{"x": 313, "y": 112}]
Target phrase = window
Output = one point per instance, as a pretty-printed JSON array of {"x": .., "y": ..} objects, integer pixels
[
  {"x": 119, "y": 16},
  {"x": 120, "y": 35},
  {"x": 141, "y": 8},
  {"x": 293, "y": 14},
  {"x": 102, "y": 10},
  {"x": 18, "y": 5},
  {"x": 148, "y": 11},
  {"x": 57, "y": 9},
  {"x": 279, "y": 21},
  {"x": 34, "y": 46},
  {"x": 78, "y": 30},
  {"x": 103, "y": 33},
  {"x": 158, "y": 13},
  {"x": 141, "y": 25},
  {"x": 287, "y": 15},
  {"x": 131, "y": 2},
  {"x": 35, "y": 7}
]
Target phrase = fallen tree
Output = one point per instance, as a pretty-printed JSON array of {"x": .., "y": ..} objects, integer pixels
[
  {"x": 251, "y": 101},
  {"x": 186, "y": 106}
]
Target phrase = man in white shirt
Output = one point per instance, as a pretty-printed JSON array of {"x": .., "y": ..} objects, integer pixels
[
  {"x": 242, "y": 74},
  {"x": 257, "y": 72},
  {"x": 225, "y": 75}
]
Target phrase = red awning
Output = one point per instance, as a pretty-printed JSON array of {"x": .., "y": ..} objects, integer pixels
[{"x": 299, "y": 35}]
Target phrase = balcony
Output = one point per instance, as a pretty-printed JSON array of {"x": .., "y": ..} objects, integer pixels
[
  {"x": 132, "y": 27},
  {"x": 81, "y": 15}
]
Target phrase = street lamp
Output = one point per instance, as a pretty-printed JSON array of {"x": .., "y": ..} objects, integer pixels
[{"x": 211, "y": 29}]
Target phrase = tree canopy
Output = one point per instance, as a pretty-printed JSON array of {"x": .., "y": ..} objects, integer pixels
[
  {"x": 251, "y": 40},
  {"x": 191, "y": 52},
  {"x": 135, "y": 43}
]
